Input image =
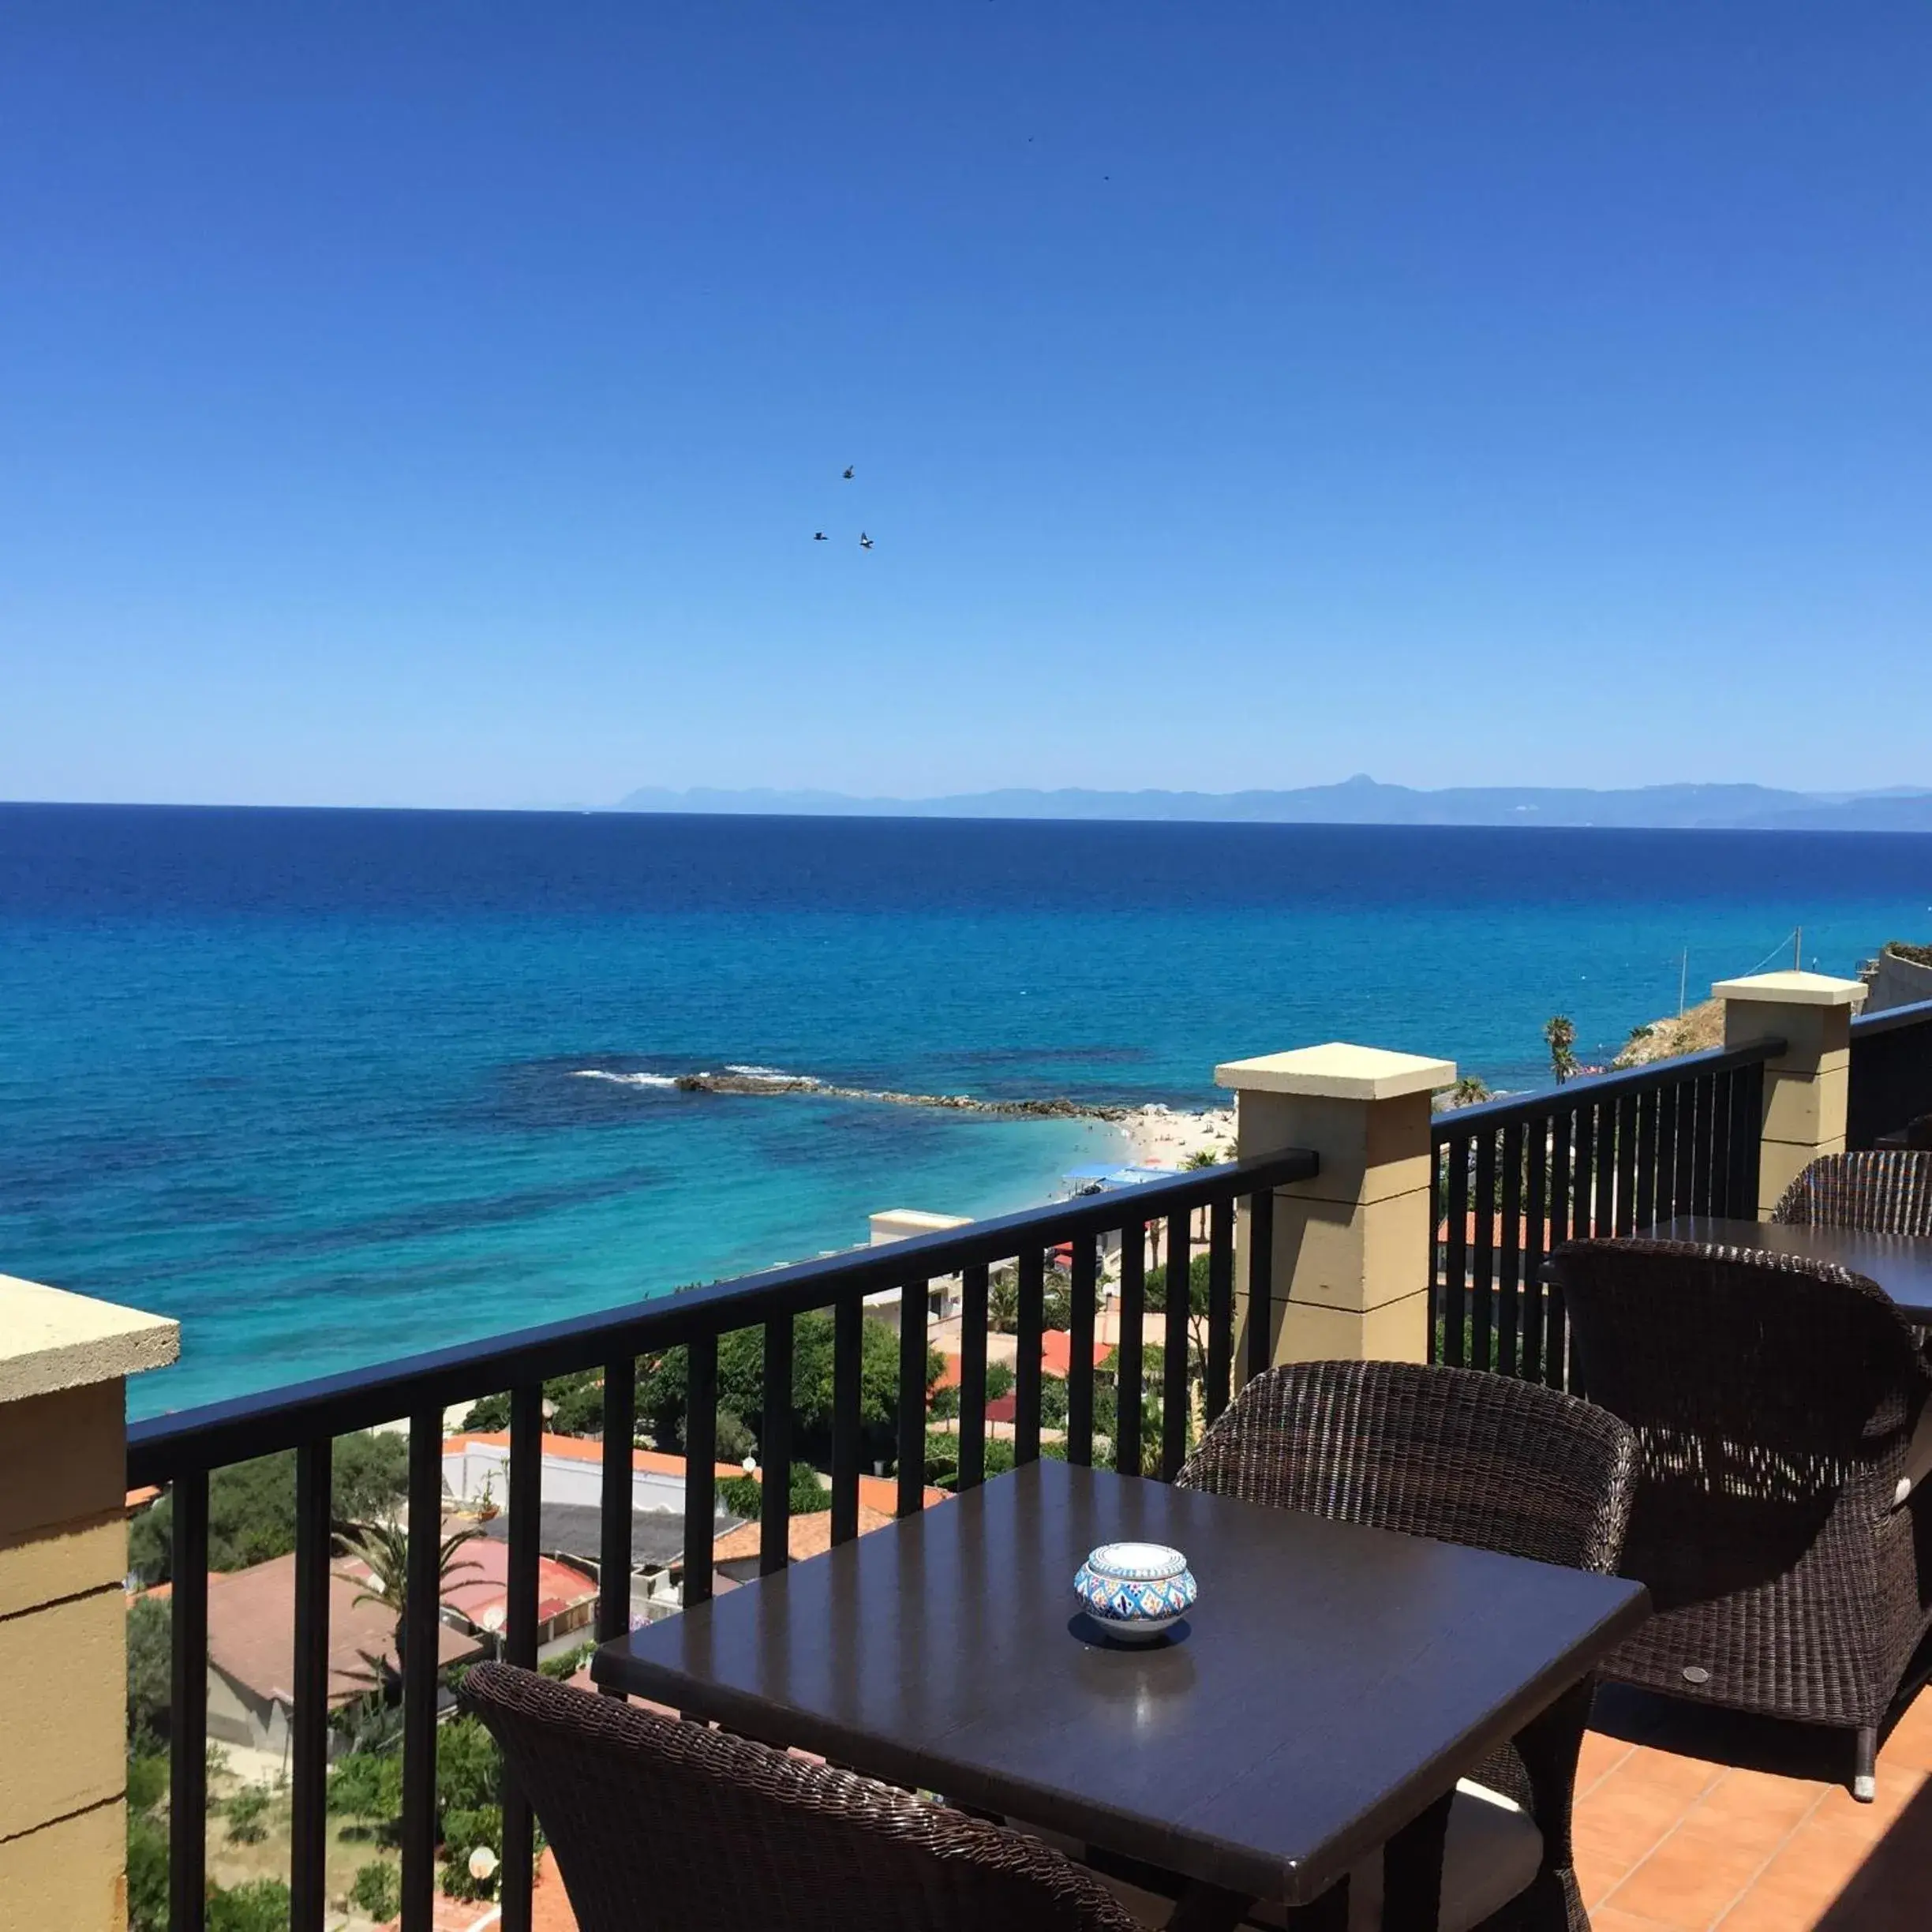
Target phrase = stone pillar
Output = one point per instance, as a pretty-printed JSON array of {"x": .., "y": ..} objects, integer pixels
[
  {"x": 1806, "y": 1085},
  {"x": 63, "y": 1616},
  {"x": 1351, "y": 1247}
]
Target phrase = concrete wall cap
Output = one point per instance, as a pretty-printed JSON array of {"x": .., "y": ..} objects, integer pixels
[
  {"x": 1337, "y": 1071},
  {"x": 1792, "y": 989},
  {"x": 50, "y": 1339}
]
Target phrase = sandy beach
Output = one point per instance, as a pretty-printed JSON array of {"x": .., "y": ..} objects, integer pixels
[{"x": 1160, "y": 1136}]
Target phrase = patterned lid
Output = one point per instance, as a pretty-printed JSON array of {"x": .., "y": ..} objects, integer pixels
[{"x": 1136, "y": 1562}]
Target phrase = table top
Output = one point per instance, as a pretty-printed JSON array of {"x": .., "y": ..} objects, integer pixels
[
  {"x": 1901, "y": 1264},
  {"x": 1330, "y": 1684}
]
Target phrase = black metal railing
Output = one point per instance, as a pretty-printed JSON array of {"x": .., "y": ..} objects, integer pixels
[
  {"x": 182, "y": 1449},
  {"x": 1891, "y": 1080},
  {"x": 1511, "y": 1179}
]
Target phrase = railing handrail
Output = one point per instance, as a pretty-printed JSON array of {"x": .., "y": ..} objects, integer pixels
[
  {"x": 216, "y": 1434},
  {"x": 1864, "y": 1025},
  {"x": 1587, "y": 1089}
]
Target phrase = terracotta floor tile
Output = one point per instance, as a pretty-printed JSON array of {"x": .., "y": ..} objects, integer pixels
[
  {"x": 1758, "y": 1807},
  {"x": 1666, "y": 1771},
  {"x": 1693, "y": 1878},
  {"x": 1839, "y": 1811},
  {"x": 1601, "y": 1755},
  {"x": 1799, "y": 1886},
  {"x": 1607, "y": 1919},
  {"x": 1910, "y": 1745}
]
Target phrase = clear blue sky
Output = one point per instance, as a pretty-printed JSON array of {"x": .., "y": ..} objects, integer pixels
[{"x": 434, "y": 405}]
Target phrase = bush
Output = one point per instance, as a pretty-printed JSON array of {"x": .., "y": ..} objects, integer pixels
[
  {"x": 744, "y": 1496},
  {"x": 377, "y": 1889},
  {"x": 261, "y": 1906},
  {"x": 367, "y": 1785},
  {"x": 247, "y": 1812},
  {"x": 568, "y": 1663},
  {"x": 146, "y": 1779},
  {"x": 150, "y": 1672},
  {"x": 252, "y": 1505},
  {"x": 463, "y": 1831},
  {"x": 147, "y": 1873}
]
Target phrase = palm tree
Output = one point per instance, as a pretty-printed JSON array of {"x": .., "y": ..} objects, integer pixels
[
  {"x": 1561, "y": 1034},
  {"x": 384, "y": 1547}
]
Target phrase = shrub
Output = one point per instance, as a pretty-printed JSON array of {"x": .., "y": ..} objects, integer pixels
[
  {"x": 146, "y": 1779},
  {"x": 262, "y": 1906},
  {"x": 377, "y": 1889},
  {"x": 463, "y": 1831},
  {"x": 150, "y": 1668},
  {"x": 247, "y": 1813}
]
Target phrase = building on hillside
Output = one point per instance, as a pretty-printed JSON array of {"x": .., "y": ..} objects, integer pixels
[{"x": 251, "y": 1633}]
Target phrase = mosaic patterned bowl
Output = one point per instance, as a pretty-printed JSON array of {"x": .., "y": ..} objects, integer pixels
[{"x": 1136, "y": 1590}]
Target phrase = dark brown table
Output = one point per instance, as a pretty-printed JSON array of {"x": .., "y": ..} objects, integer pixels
[
  {"x": 1901, "y": 1264},
  {"x": 1329, "y": 1687}
]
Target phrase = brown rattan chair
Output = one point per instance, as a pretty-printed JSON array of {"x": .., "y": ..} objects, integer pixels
[
  {"x": 656, "y": 1823},
  {"x": 1885, "y": 1192},
  {"x": 1466, "y": 1458},
  {"x": 1778, "y": 1511}
]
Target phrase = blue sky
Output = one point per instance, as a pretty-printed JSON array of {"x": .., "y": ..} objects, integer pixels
[{"x": 434, "y": 406}]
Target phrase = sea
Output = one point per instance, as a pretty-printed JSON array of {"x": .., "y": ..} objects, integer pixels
[{"x": 315, "y": 1082}]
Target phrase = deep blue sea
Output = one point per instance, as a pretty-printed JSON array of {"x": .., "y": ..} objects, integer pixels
[{"x": 308, "y": 1080}]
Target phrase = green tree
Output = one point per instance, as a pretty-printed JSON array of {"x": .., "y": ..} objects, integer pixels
[
  {"x": 146, "y": 1779},
  {"x": 247, "y": 1814},
  {"x": 147, "y": 1873},
  {"x": 367, "y": 1786},
  {"x": 662, "y": 1382},
  {"x": 384, "y": 1548},
  {"x": 1559, "y": 1034},
  {"x": 259, "y": 1906},
  {"x": 252, "y": 1505},
  {"x": 377, "y": 1889},
  {"x": 744, "y": 1496},
  {"x": 150, "y": 1668}
]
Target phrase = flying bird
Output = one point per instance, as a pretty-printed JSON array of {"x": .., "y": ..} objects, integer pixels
[
  {"x": 849, "y": 468},
  {"x": 820, "y": 537},
  {"x": 865, "y": 542}
]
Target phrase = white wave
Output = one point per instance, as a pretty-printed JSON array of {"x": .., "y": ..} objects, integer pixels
[
  {"x": 764, "y": 1072},
  {"x": 624, "y": 1080}
]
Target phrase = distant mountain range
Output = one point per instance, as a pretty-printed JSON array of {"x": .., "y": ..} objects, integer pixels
[{"x": 1363, "y": 801}]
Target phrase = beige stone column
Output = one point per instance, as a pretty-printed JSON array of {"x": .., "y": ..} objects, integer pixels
[
  {"x": 1806, "y": 1086},
  {"x": 63, "y": 1618},
  {"x": 1351, "y": 1247}
]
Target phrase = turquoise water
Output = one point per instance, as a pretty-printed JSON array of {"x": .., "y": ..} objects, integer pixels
[{"x": 308, "y": 1080}]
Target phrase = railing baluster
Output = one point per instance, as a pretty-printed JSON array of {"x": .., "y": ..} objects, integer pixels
[
  {"x": 1482, "y": 1339},
  {"x": 308, "y": 1746},
  {"x": 1562, "y": 1199},
  {"x": 700, "y": 1468},
  {"x": 613, "y": 1606},
  {"x": 1723, "y": 1111},
  {"x": 1127, "y": 1353},
  {"x": 1174, "y": 1335},
  {"x": 1683, "y": 1171},
  {"x": 1696, "y": 1196},
  {"x": 525, "y": 1522},
  {"x": 1080, "y": 1350},
  {"x": 1536, "y": 1235},
  {"x": 912, "y": 1297},
  {"x": 848, "y": 1360},
  {"x": 188, "y": 1714},
  {"x": 1220, "y": 1307},
  {"x": 1459, "y": 1151},
  {"x": 1509, "y": 1266},
  {"x": 422, "y": 1627},
  {"x": 1027, "y": 1357},
  {"x": 972, "y": 1376},
  {"x": 775, "y": 1449},
  {"x": 1583, "y": 1168},
  {"x": 1624, "y": 1218},
  {"x": 1643, "y": 1214},
  {"x": 1261, "y": 1282}
]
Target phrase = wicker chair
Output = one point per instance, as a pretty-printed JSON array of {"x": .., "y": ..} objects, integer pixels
[
  {"x": 658, "y": 1823},
  {"x": 1466, "y": 1458},
  {"x": 1777, "y": 1511},
  {"x": 1877, "y": 1193}
]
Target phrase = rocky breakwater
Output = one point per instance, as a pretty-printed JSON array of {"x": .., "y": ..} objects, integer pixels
[{"x": 1055, "y": 1108}]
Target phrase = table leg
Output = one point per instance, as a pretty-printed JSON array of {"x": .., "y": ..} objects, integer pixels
[
  {"x": 1329, "y": 1913},
  {"x": 1412, "y": 1868},
  {"x": 1208, "y": 1909}
]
